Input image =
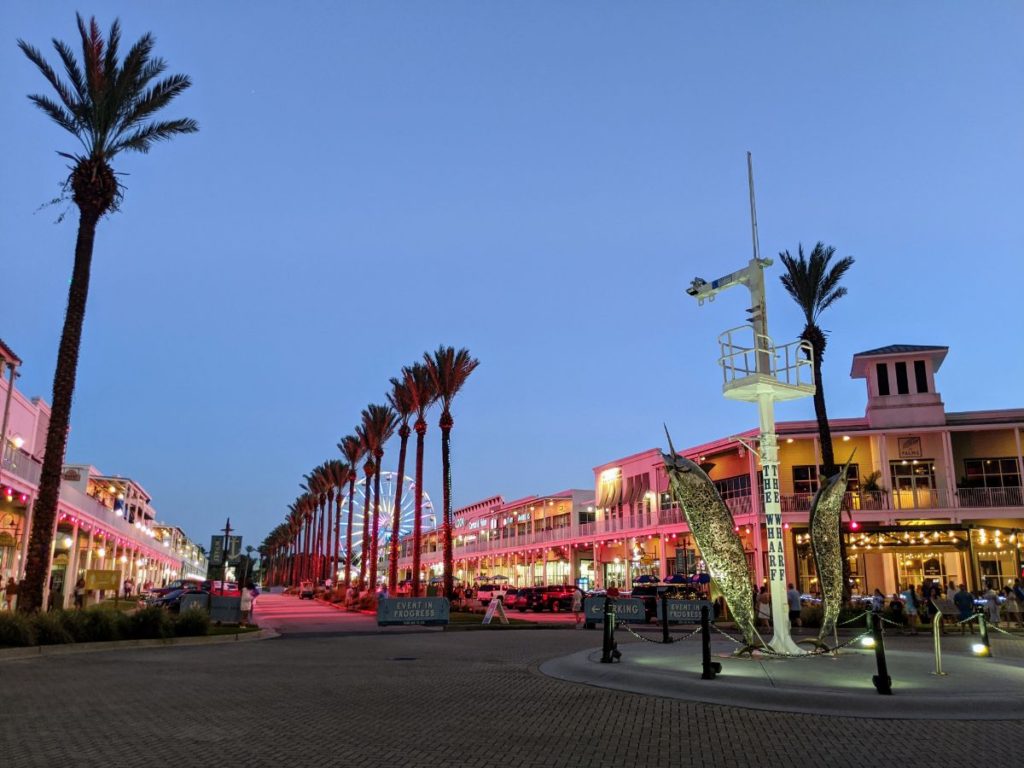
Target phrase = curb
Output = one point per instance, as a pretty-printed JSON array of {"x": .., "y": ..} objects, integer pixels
[{"x": 67, "y": 649}]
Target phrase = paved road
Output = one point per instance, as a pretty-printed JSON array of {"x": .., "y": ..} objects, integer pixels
[{"x": 418, "y": 699}]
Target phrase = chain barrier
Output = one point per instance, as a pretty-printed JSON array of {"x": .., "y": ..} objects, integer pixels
[
  {"x": 675, "y": 638},
  {"x": 858, "y": 617},
  {"x": 816, "y": 652}
]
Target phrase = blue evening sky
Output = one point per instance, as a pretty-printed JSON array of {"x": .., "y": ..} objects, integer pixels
[{"x": 537, "y": 181}]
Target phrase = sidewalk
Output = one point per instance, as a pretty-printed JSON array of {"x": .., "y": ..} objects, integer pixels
[{"x": 974, "y": 688}]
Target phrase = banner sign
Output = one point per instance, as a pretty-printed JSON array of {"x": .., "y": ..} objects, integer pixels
[
  {"x": 626, "y": 609},
  {"x": 216, "y": 550},
  {"x": 102, "y": 580},
  {"x": 412, "y": 610},
  {"x": 687, "y": 611}
]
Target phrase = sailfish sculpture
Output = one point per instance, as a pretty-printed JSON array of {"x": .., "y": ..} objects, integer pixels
[
  {"x": 713, "y": 530},
  {"x": 826, "y": 511}
]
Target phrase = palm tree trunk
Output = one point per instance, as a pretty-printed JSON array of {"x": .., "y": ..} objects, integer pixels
[
  {"x": 366, "y": 531},
  {"x": 337, "y": 533},
  {"x": 376, "y": 527},
  {"x": 446, "y": 490},
  {"x": 348, "y": 529},
  {"x": 37, "y": 566},
  {"x": 417, "y": 525},
  {"x": 828, "y": 459},
  {"x": 396, "y": 515}
]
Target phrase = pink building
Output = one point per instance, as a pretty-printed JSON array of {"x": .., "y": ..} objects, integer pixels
[
  {"x": 932, "y": 495},
  {"x": 105, "y": 522}
]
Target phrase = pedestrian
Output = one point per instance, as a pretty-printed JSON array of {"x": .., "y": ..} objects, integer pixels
[
  {"x": 1011, "y": 607},
  {"x": 992, "y": 606},
  {"x": 898, "y": 616},
  {"x": 247, "y": 602},
  {"x": 877, "y": 601},
  {"x": 350, "y": 597},
  {"x": 910, "y": 607},
  {"x": 10, "y": 593},
  {"x": 764, "y": 607},
  {"x": 793, "y": 599},
  {"x": 613, "y": 591},
  {"x": 147, "y": 587},
  {"x": 80, "y": 593},
  {"x": 964, "y": 602},
  {"x": 950, "y": 591},
  {"x": 577, "y": 606},
  {"x": 127, "y": 587}
]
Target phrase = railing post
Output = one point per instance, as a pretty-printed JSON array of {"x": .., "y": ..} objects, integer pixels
[
  {"x": 882, "y": 681},
  {"x": 937, "y": 640},
  {"x": 664, "y": 619},
  {"x": 983, "y": 629},
  {"x": 709, "y": 668},
  {"x": 609, "y": 650}
]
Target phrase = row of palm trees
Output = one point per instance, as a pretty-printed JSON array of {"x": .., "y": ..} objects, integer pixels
[{"x": 307, "y": 545}]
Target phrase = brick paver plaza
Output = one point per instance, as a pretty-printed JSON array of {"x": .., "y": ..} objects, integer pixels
[{"x": 420, "y": 699}]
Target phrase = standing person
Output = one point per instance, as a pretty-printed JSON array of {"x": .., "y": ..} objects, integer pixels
[
  {"x": 80, "y": 593},
  {"x": 896, "y": 609},
  {"x": 248, "y": 598},
  {"x": 764, "y": 608},
  {"x": 577, "y": 606},
  {"x": 10, "y": 593},
  {"x": 1012, "y": 607},
  {"x": 877, "y": 601},
  {"x": 964, "y": 602},
  {"x": 127, "y": 587},
  {"x": 950, "y": 591},
  {"x": 992, "y": 606},
  {"x": 793, "y": 599},
  {"x": 613, "y": 591},
  {"x": 910, "y": 607}
]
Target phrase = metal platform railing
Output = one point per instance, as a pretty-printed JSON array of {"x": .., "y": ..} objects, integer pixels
[{"x": 745, "y": 354}]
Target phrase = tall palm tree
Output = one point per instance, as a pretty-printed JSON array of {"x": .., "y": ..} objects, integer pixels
[
  {"x": 379, "y": 423},
  {"x": 814, "y": 286},
  {"x": 337, "y": 473},
  {"x": 423, "y": 394},
  {"x": 108, "y": 105},
  {"x": 449, "y": 370},
  {"x": 401, "y": 401},
  {"x": 368, "y": 471},
  {"x": 351, "y": 448},
  {"x": 316, "y": 484}
]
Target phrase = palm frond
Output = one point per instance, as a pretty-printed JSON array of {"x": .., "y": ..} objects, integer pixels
[
  {"x": 56, "y": 112},
  {"x": 142, "y": 139}
]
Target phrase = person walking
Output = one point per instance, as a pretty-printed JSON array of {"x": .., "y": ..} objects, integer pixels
[
  {"x": 80, "y": 593},
  {"x": 992, "y": 606},
  {"x": 10, "y": 593},
  {"x": 793, "y": 599},
  {"x": 577, "y": 607},
  {"x": 877, "y": 601}
]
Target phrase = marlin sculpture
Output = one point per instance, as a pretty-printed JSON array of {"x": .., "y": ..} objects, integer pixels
[
  {"x": 713, "y": 529},
  {"x": 826, "y": 511}
]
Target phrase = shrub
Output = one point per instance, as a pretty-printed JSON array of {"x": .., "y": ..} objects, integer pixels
[
  {"x": 811, "y": 615},
  {"x": 149, "y": 623},
  {"x": 16, "y": 630},
  {"x": 195, "y": 622},
  {"x": 76, "y": 624},
  {"x": 50, "y": 628}
]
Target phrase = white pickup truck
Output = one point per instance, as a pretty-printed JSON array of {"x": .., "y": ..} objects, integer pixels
[{"x": 487, "y": 592}]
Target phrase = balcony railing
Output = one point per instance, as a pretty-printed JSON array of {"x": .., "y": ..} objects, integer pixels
[
  {"x": 22, "y": 465},
  {"x": 991, "y": 497}
]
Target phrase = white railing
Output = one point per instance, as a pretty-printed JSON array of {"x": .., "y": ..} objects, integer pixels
[
  {"x": 22, "y": 465},
  {"x": 1010, "y": 496},
  {"x": 791, "y": 364}
]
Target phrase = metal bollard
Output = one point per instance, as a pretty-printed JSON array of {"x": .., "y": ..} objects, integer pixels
[
  {"x": 710, "y": 668},
  {"x": 983, "y": 629},
  {"x": 609, "y": 650},
  {"x": 664, "y": 619},
  {"x": 937, "y": 637},
  {"x": 882, "y": 681}
]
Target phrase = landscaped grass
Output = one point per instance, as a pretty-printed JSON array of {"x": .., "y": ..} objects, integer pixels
[{"x": 465, "y": 617}]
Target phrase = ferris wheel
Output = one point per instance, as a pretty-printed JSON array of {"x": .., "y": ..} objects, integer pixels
[{"x": 406, "y": 515}]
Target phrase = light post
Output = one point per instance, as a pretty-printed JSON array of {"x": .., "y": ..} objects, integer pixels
[{"x": 760, "y": 372}]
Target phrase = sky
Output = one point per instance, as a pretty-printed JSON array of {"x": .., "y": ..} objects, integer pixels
[{"x": 538, "y": 182}]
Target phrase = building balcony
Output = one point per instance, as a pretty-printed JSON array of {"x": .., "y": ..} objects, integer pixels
[{"x": 22, "y": 465}]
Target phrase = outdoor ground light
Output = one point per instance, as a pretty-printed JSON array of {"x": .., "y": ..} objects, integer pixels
[
  {"x": 980, "y": 649},
  {"x": 867, "y": 642}
]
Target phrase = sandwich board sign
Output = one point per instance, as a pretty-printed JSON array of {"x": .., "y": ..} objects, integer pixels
[{"x": 495, "y": 608}]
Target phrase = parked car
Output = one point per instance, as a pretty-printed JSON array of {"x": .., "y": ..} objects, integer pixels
[
  {"x": 487, "y": 592},
  {"x": 510, "y": 597},
  {"x": 172, "y": 600},
  {"x": 225, "y": 588},
  {"x": 177, "y": 584},
  {"x": 552, "y": 598},
  {"x": 307, "y": 589}
]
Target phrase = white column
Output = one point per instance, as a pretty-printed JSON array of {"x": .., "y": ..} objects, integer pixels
[
  {"x": 19, "y": 568},
  {"x": 663, "y": 556},
  {"x": 71, "y": 574}
]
